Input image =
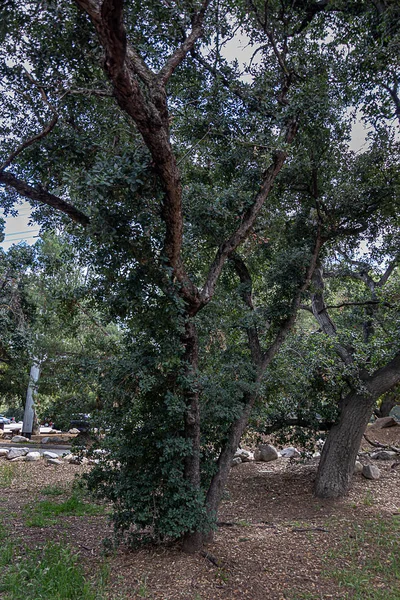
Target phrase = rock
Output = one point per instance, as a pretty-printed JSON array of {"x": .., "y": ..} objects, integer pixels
[
  {"x": 54, "y": 431},
  {"x": 17, "y": 452},
  {"x": 52, "y": 440},
  {"x": 3, "y": 451},
  {"x": 54, "y": 461},
  {"x": 358, "y": 467},
  {"x": 31, "y": 456},
  {"x": 48, "y": 454},
  {"x": 18, "y": 459},
  {"x": 236, "y": 461},
  {"x": 290, "y": 452},
  {"x": 371, "y": 472},
  {"x": 384, "y": 455},
  {"x": 74, "y": 431},
  {"x": 265, "y": 453},
  {"x": 68, "y": 457},
  {"x": 316, "y": 455},
  {"x": 383, "y": 423},
  {"x": 244, "y": 455},
  {"x": 320, "y": 443},
  {"x": 19, "y": 438}
]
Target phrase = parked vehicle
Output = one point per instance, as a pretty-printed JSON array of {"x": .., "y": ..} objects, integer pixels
[
  {"x": 80, "y": 421},
  {"x": 4, "y": 420}
]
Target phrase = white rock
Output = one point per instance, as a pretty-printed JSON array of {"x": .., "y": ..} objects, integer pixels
[
  {"x": 3, "y": 451},
  {"x": 55, "y": 431},
  {"x": 17, "y": 459},
  {"x": 265, "y": 453},
  {"x": 316, "y": 455},
  {"x": 236, "y": 461},
  {"x": 244, "y": 455},
  {"x": 68, "y": 457},
  {"x": 358, "y": 467},
  {"x": 31, "y": 456},
  {"x": 74, "y": 430},
  {"x": 290, "y": 452},
  {"x": 54, "y": 461},
  {"x": 19, "y": 438},
  {"x": 48, "y": 454},
  {"x": 17, "y": 452},
  {"x": 371, "y": 472}
]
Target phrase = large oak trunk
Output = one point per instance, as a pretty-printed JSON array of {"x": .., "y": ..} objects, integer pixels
[{"x": 339, "y": 453}]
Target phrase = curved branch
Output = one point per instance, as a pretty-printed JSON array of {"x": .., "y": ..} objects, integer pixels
[{"x": 41, "y": 195}]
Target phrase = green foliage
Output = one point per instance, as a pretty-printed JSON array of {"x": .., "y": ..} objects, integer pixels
[{"x": 47, "y": 513}]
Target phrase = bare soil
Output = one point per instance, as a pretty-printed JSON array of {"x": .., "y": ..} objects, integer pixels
[{"x": 271, "y": 541}]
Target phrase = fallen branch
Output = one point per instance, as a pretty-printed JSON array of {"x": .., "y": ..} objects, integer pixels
[
  {"x": 306, "y": 529},
  {"x": 382, "y": 446},
  {"x": 211, "y": 558}
]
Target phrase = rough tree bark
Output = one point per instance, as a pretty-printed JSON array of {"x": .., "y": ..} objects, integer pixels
[{"x": 342, "y": 445}]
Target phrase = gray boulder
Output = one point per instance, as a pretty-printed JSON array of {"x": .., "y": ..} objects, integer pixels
[
  {"x": 31, "y": 456},
  {"x": 17, "y": 452},
  {"x": 236, "y": 461},
  {"x": 358, "y": 467},
  {"x": 54, "y": 461},
  {"x": 371, "y": 472},
  {"x": 19, "y": 438},
  {"x": 244, "y": 455},
  {"x": 48, "y": 454},
  {"x": 290, "y": 452},
  {"x": 265, "y": 453},
  {"x": 384, "y": 455}
]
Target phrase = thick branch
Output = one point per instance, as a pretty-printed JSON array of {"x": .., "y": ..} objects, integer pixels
[
  {"x": 246, "y": 293},
  {"x": 41, "y": 195},
  {"x": 289, "y": 322},
  {"x": 249, "y": 217},
  {"x": 384, "y": 379},
  {"x": 180, "y": 53},
  {"x": 322, "y": 316}
]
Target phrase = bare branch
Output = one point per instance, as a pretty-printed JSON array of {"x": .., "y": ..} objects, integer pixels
[
  {"x": 180, "y": 53},
  {"x": 41, "y": 195},
  {"x": 365, "y": 303}
]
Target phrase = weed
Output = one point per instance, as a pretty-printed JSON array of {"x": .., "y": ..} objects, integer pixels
[
  {"x": 53, "y": 490},
  {"x": 368, "y": 498},
  {"x": 7, "y": 474},
  {"x": 50, "y": 572},
  {"x": 243, "y": 523}
]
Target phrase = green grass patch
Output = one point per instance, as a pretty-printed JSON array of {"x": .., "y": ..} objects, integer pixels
[
  {"x": 53, "y": 490},
  {"x": 370, "y": 556},
  {"x": 7, "y": 474},
  {"x": 47, "y": 512},
  {"x": 51, "y": 572}
]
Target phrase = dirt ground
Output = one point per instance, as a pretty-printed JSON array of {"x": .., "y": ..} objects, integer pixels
[{"x": 270, "y": 544}]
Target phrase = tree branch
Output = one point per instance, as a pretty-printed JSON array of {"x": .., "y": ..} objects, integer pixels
[
  {"x": 246, "y": 293},
  {"x": 249, "y": 217},
  {"x": 41, "y": 195},
  {"x": 177, "y": 57}
]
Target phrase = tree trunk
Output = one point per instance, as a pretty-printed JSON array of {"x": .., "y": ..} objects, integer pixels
[
  {"x": 192, "y": 541},
  {"x": 339, "y": 453}
]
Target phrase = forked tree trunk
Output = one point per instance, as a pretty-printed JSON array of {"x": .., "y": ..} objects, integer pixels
[{"x": 339, "y": 453}]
